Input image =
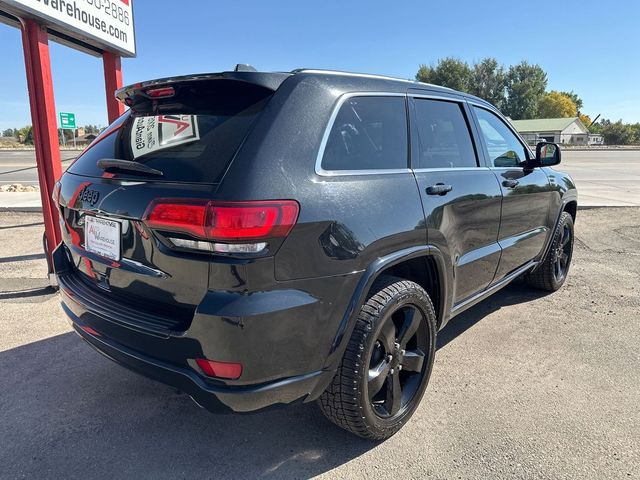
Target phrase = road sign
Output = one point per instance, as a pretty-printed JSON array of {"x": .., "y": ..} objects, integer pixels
[
  {"x": 103, "y": 24},
  {"x": 68, "y": 120}
]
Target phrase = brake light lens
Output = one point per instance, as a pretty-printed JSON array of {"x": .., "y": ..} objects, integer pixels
[
  {"x": 160, "y": 92},
  {"x": 178, "y": 216},
  {"x": 224, "y": 221},
  {"x": 211, "y": 368},
  {"x": 252, "y": 220}
]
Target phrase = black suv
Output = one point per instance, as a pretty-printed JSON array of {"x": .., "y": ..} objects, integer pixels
[{"x": 259, "y": 239}]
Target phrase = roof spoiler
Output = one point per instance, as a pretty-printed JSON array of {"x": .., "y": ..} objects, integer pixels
[{"x": 133, "y": 94}]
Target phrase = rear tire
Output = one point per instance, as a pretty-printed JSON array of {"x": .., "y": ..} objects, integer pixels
[
  {"x": 553, "y": 271},
  {"x": 386, "y": 367}
]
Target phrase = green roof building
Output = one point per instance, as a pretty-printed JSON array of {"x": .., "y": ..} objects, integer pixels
[{"x": 556, "y": 130}]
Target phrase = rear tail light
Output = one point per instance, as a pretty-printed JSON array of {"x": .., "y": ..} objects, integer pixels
[
  {"x": 211, "y": 368},
  {"x": 224, "y": 224}
]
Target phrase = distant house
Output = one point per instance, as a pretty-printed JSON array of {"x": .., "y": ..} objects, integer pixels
[
  {"x": 556, "y": 130},
  {"x": 85, "y": 139}
]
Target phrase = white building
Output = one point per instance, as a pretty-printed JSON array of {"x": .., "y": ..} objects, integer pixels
[{"x": 557, "y": 130}]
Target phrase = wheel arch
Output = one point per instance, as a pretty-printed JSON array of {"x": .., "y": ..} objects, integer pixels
[
  {"x": 571, "y": 207},
  {"x": 413, "y": 261}
]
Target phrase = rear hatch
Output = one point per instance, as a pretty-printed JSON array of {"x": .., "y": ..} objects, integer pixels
[{"x": 175, "y": 143}]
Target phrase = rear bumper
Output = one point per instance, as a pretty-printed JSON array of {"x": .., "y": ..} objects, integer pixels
[
  {"x": 276, "y": 335},
  {"x": 214, "y": 399}
]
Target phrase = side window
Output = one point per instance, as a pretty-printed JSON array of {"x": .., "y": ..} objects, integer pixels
[
  {"x": 504, "y": 148},
  {"x": 369, "y": 133},
  {"x": 444, "y": 140}
]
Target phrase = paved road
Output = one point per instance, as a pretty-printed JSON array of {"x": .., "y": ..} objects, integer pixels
[
  {"x": 18, "y": 166},
  {"x": 603, "y": 177},
  {"x": 525, "y": 385}
]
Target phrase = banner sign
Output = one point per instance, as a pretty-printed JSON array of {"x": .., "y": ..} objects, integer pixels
[{"x": 104, "y": 24}]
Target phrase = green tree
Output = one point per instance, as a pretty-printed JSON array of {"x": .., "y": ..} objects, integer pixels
[
  {"x": 525, "y": 86},
  {"x": 617, "y": 133},
  {"x": 25, "y": 135},
  {"x": 488, "y": 81},
  {"x": 449, "y": 72},
  {"x": 556, "y": 105},
  {"x": 8, "y": 132},
  {"x": 575, "y": 98}
]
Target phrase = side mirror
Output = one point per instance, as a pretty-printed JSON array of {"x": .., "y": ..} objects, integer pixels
[{"x": 547, "y": 154}]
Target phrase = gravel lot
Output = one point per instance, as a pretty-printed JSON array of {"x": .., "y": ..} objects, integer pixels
[{"x": 525, "y": 385}]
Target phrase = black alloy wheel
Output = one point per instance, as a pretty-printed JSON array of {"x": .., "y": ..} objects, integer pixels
[
  {"x": 396, "y": 366},
  {"x": 387, "y": 363}
]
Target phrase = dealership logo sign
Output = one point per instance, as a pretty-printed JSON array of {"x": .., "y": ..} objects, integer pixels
[{"x": 104, "y": 24}]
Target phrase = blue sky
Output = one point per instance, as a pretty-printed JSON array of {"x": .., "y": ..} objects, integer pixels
[{"x": 590, "y": 47}]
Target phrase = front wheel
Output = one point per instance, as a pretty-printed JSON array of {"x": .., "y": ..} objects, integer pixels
[
  {"x": 552, "y": 272},
  {"x": 387, "y": 364}
]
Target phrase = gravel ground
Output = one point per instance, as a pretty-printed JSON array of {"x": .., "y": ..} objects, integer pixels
[{"x": 525, "y": 385}]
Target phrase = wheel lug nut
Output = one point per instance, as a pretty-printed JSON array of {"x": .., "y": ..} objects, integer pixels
[
  {"x": 402, "y": 352},
  {"x": 397, "y": 345},
  {"x": 399, "y": 367},
  {"x": 391, "y": 372},
  {"x": 389, "y": 358}
]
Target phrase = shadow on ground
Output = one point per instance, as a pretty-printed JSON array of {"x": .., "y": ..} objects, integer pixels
[{"x": 67, "y": 412}]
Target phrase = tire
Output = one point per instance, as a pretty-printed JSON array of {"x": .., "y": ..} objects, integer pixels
[
  {"x": 553, "y": 271},
  {"x": 390, "y": 353}
]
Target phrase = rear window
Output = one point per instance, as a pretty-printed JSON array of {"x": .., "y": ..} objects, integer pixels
[{"x": 186, "y": 145}]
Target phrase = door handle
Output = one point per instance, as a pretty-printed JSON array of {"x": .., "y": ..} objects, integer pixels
[
  {"x": 439, "y": 189},
  {"x": 510, "y": 183}
]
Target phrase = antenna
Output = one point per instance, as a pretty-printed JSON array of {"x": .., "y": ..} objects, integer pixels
[{"x": 244, "y": 67}]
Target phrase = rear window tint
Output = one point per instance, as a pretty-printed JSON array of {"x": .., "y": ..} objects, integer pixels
[
  {"x": 186, "y": 147},
  {"x": 369, "y": 133}
]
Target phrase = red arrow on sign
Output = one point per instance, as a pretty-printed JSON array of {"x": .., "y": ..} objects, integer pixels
[{"x": 181, "y": 125}]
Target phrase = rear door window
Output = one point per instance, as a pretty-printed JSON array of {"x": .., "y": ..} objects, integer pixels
[
  {"x": 444, "y": 140},
  {"x": 369, "y": 133},
  {"x": 185, "y": 146}
]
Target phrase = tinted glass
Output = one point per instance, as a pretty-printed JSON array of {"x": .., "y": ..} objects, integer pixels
[
  {"x": 185, "y": 147},
  {"x": 369, "y": 133},
  {"x": 504, "y": 148},
  {"x": 444, "y": 140}
]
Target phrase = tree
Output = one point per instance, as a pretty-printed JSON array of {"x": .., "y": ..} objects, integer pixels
[
  {"x": 449, "y": 72},
  {"x": 488, "y": 81},
  {"x": 8, "y": 132},
  {"x": 25, "y": 135},
  {"x": 617, "y": 133},
  {"x": 525, "y": 86},
  {"x": 575, "y": 98},
  {"x": 556, "y": 105},
  {"x": 585, "y": 119}
]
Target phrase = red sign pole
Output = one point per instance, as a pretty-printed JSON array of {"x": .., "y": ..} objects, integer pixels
[
  {"x": 43, "y": 117},
  {"x": 112, "y": 82}
]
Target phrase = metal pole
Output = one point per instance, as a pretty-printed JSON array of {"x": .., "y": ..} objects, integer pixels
[
  {"x": 112, "y": 82},
  {"x": 35, "y": 44}
]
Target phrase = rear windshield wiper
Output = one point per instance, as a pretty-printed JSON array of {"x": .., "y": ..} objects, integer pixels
[{"x": 115, "y": 164}]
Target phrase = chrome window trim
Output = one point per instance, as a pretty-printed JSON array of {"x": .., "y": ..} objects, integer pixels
[
  {"x": 449, "y": 169},
  {"x": 325, "y": 138}
]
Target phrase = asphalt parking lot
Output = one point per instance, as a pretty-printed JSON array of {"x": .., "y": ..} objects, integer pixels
[{"x": 525, "y": 385}]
